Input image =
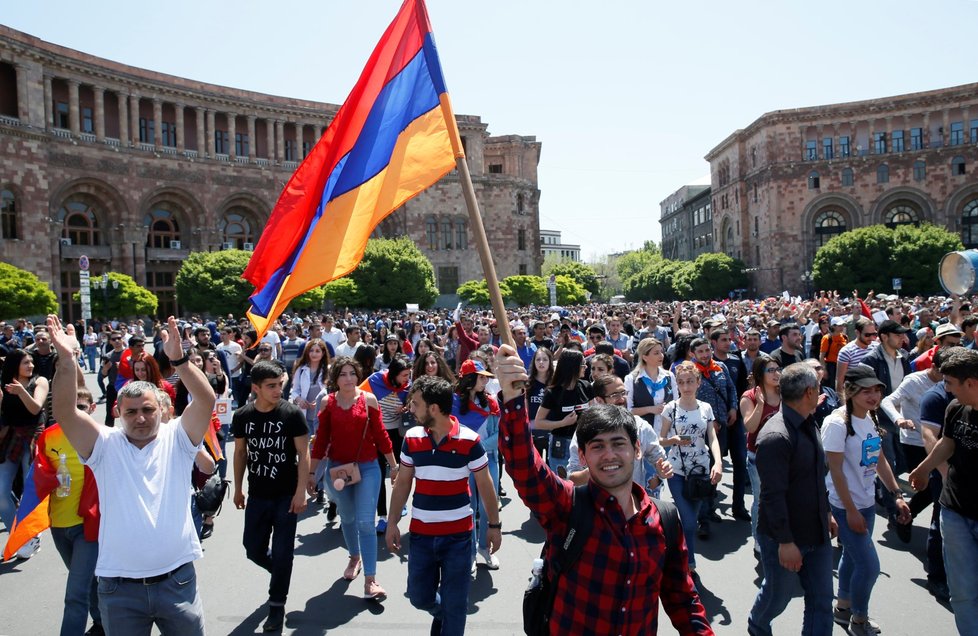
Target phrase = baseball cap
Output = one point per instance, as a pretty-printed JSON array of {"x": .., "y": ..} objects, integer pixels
[
  {"x": 838, "y": 321},
  {"x": 862, "y": 375},
  {"x": 474, "y": 366},
  {"x": 892, "y": 326}
]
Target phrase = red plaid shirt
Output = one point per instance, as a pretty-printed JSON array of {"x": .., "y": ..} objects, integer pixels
[{"x": 624, "y": 569}]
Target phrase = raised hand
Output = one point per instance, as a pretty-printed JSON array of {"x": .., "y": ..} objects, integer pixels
[{"x": 171, "y": 340}]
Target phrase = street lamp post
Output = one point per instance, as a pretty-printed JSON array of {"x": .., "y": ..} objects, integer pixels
[
  {"x": 806, "y": 279},
  {"x": 105, "y": 292}
]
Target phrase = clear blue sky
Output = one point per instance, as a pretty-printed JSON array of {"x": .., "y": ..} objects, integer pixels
[{"x": 626, "y": 98}]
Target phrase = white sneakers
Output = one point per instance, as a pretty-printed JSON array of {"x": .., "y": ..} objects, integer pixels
[
  {"x": 491, "y": 561},
  {"x": 29, "y": 549}
]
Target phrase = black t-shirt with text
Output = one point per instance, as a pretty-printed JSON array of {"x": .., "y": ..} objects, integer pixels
[
  {"x": 960, "y": 492},
  {"x": 272, "y": 455},
  {"x": 560, "y": 402}
]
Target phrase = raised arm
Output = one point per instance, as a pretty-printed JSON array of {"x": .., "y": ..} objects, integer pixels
[
  {"x": 79, "y": 427},
  {"x": 197, "y": 416}
]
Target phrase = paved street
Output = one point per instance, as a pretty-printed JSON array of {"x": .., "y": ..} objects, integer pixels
[{"x": 234, "y": 590}]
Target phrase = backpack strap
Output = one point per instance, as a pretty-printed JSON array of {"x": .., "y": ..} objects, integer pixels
[
  {"x": 669, "y": 519},
  {"x": 579, "y": 528}
]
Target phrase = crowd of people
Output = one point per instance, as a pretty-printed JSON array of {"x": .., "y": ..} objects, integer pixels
[{"x": 819, "y": 406}]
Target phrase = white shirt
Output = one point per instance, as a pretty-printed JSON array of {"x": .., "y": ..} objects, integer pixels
[
  {"x": 904, "y": 403},
  {"x": 144, "y": 499},
  {"x": 861, "y": 451},
  {"x": 234, "y": 351},
  {"x": 345, "y": 349},
  {"x": 334, "y": 337},
  {"x": 272, "y": 338}
]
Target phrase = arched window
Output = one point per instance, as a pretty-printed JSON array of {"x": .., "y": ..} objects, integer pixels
[
  {"x": 80, "y": 224},
  {"x": 8, "y": 215},
  {"x": 729, "y": 242},
  {"x": 161, "y": 229},
  {"x": 828, "y": 224},
  {"x": 919, "y": 170},
  {"x": 431, "y": 233},
  {"x": 969, "y": 224},
  {"x": 813, "y": 180},
  {"x": 237, "y": 228},
  {"x": 883, "y": 174},
  {"x": 461, "y": 234},
  {"x": 958, "y": 167},
  {"x": 847, "y": 179},
  {"x": 901, "y": 214},
  {"x": 446, "y": 234}
]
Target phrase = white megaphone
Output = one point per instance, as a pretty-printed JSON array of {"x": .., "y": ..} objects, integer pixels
[{"x": 957, "y": 272}]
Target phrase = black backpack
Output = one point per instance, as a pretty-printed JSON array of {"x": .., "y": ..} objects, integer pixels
[{"x": 538, "y": 600}]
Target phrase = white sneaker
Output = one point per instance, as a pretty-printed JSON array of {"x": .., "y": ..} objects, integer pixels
[
  {"x": 473, "y": 571},
  {"x": 29, "y": 549},
  {"x": 491, "y": 561}
]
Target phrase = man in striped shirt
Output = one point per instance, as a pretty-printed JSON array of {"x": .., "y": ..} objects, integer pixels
[
  {"x": 857, "y": 349},
  {"x": 441, "y": 454}
]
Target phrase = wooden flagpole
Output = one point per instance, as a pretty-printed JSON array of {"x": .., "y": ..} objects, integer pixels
[{"x": 482, "y": 243}]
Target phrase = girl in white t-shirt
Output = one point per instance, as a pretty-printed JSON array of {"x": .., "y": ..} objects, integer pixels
[{"x": 851, "y": 438}]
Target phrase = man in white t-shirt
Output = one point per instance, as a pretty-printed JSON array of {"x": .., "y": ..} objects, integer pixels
[
  {"x": 331, "y": 335},
  {"x": 272, "y": 338},
  {"x": 349, "y": 346},
  {"x": 143, "y": 469}
]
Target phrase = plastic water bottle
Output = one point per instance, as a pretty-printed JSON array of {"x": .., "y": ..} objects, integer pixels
[
  {"x": 536, "y": 574},
  {"x": 64, "y": 477}
]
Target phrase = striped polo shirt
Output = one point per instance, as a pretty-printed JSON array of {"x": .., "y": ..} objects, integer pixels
[{"x": 442, "y": 502}]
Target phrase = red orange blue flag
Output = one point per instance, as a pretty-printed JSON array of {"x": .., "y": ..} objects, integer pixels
[{"x": 393, "y": 137}]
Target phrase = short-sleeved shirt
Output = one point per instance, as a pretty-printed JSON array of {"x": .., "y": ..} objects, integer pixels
[
  {"x": 933, "y": 406},
  {"x": 861, "y": 454},
  {"x": 561, "y": 402},
  {"x": 442, "y": 503},
  {"x": 694, "y": 423},
  {"x": 960, "y": 494},
  {"x": 852, "y": 353},
  {"x": 272, "y": 455}
]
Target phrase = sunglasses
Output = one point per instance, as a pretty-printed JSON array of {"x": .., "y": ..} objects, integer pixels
[
  {"x": 616, "y": 394},
  {"x": 115, "y": 339},
  {"x": 772, "y": 370}
]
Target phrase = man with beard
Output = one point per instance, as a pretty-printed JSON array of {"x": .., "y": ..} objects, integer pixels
[{"x": 441, "y": 454}]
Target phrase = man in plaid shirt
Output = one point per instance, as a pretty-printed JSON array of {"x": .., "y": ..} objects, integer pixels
[{"x": 625, "y": 568}]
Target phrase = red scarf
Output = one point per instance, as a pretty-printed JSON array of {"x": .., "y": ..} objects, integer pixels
[{"x": 713, "y": 368}]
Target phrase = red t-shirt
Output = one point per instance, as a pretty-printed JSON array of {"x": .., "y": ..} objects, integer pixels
[
  {"x": 340, "y": 431},
  {"x": 766, "y": 414}
]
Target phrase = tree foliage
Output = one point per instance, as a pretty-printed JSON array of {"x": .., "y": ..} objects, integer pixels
[
  {"x": 312, "y": 299},
  {"x": 394, "y": 272},
  {"x": 632, "y": 263},
  {"x": 711, "y": 275},
  {"x": 210, "y": 282},
  {"x": 23, "y": 294},
  {"x": 714, "y": 275},
  {"x": 584, "y": 274},
  {"x": 871, "y": 257},
  {"x": 569, "y": 291},
  {"x": 343, "y": 292},
  {"x": 121, "y": 297},
  {"x": 525, "y": 290}
]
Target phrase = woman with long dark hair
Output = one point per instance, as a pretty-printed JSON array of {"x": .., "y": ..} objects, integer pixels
[
  {"x": 351, "y": 430},
  {"x": 432, "y": 364},
  {"x": 540, "y": 375},
  {"x": 390, "y": 348},
  {"x": 390, "y": 387},
  {"x": 759, "y": 404},
  {"x": 567, "y": 394},
  {"x": 22, "y": 396},
  {"x": 309, "y": 384}
]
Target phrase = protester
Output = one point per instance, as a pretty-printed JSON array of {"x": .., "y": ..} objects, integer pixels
[
  {"x": 567, "y": 395},
  {"x": 759, "y": 404}
]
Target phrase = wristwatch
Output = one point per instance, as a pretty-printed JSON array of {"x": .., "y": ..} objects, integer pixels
[{"x": 496, "y": 526}]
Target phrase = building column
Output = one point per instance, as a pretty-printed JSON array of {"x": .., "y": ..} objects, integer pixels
[
  {"x": 48, "y": 104},
  {"x": 279, "y": 140},
  {"x": 123, "y": 119},
  {"x": 74, "y": 121},
  {"x": 209, "y": 138},
  {"x": 299, "y": 132},
  {"x": 99, "y": 113},
  {"x": 157, "y": 123},
  {"x": 926, "y": 131},
  {"x": 232, "y": 128},
  {"x": 946, "y": 125},
  {"x": 134, "y": 118},
  {"x": 178, "y": 108},
  {"x": 201, "y": 136},
  {"x": 23, "y": 104},
  {"x": 252, "y": 142},
  {"x": 270, "y": 140}
]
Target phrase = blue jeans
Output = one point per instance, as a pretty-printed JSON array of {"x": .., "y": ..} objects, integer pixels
[
  {"x": 8, "y": 473},
  {"x": 357, "y": 505},
  {"x": 270, "y": 519},
  {"x": 479, "y": 516},
  {"x": 131, "y": 608},
  {"x": 90, "y": 352},
  {"x": 775, "y": 592},
  {"x": 960, "y": 557},
  {"x": 552, "y": 461},
  {"x": 859, "y": 566},
  {"x": 81, "y": 591},
  {"x": 438, "y": 578},
  {"x": 688, "y": 511},
  {"x": 755, "y": 489}
]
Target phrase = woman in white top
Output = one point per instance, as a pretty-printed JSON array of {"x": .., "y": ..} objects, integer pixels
[
  {"x": 689, "y": 437},
  {"x": 851, "y": 438},
  {"x": 649, "y": 387}
]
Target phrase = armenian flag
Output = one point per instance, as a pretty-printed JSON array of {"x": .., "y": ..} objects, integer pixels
[{"x": 393, "y": 137}]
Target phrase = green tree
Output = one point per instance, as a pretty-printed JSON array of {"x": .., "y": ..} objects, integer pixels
[
  {"x": 662, "y": 279},
  {"x": 714, "y": 275},
  {"x": 312, "y": 299},
  {"x": 525, "y": 290},
  {"x": 23, "y": 294},
  {"x": 582, "y": 273},
  {"x": 394, "y": 272},
  {"x": 569, "y": 291},
  {"x": 120, "y": 297},
  {"x": 475, "y": 292},
  {"x": 870, "y": 257},
  {"x": 211, "y": 282},
  {"x": 343, "y": 292},
  {"x": 609, "y": 282},
  {"x": 631, "y": 263}
]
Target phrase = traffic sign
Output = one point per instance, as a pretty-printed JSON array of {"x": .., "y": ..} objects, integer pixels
[
  {"x": 83, "y": 263},
  {"x": 897, "y": 284}
]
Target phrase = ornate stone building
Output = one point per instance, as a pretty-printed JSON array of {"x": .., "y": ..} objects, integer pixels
[
  {"x": 794, "y": 178},
  {"x": 136, "y": 169}
]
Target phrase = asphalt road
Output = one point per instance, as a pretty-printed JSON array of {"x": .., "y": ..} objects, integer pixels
[{"x": 234, "y": 590}]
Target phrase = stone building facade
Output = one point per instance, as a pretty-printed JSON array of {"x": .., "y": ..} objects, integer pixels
[
  {"x": 794, "y": 178},
  {"x": 136, "y": 169},
  {"x": 686, "y": 217}
]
